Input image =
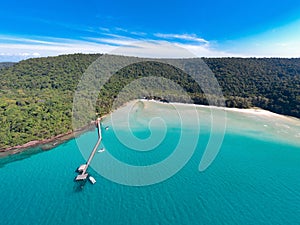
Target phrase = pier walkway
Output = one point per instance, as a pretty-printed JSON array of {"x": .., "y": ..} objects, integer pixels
[{"x": 83, "y": 168}]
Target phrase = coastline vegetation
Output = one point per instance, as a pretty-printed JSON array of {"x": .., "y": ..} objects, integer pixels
[{"x": 36, "y": 94}]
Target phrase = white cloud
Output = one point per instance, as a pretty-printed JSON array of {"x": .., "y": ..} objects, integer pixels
[
  {"x": 153, "y": 49},
  {"x": 104, "y": 29},
  {"x": 279, "y": 42},
  {"x": 121, "y": 29},
  {"x": 116, "y": 40},
  {"x": 187, "y": 37},
  {"x": 16, "y": 48},
  {"x": 22, "y": 40},
  {"x": 17, "y": 51},
  {"x": 138, "y": 33},
  {"x": 15, "y": 57},
  {"x": 205, "y": 51}
]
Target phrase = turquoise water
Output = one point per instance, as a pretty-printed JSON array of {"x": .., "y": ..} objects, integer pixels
[{"x": 251, "y": 181}]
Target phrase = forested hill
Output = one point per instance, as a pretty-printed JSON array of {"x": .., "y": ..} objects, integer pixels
[
  {"x": 269, "y": 83},
  {"x": 36, "y": 94},
  {"x": 6, "y": 64}
]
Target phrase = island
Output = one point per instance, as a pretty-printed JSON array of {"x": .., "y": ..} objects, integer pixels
[{"x": 36, "y": 94}]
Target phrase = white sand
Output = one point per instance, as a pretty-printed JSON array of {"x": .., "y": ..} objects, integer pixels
[{"x": 254, "y": 122}]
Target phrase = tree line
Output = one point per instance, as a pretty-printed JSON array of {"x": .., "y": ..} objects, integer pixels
[{"x": 36, "y": 94}]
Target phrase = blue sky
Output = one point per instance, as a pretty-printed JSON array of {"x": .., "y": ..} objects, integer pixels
[{"x": 259, "y": 28}]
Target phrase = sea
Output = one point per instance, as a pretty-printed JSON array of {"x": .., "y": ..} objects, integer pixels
[{"x": 162, "y": 163}]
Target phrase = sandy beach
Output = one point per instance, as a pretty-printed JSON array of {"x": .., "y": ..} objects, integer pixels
[{"x": 280, "y": 126}]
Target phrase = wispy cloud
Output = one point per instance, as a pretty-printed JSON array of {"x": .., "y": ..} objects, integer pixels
[
  {"x": 105, "y": 29},
  {"x": 138, "y": 33},
  {"x": 187, "y": 37},
  {"x": 121, "y": 29},
  {"x": 16, "y": 48},
  {"x": 113, "y": 39},
  {"x": 14, "y": 57},
  {"x": 11, "y": 39}
]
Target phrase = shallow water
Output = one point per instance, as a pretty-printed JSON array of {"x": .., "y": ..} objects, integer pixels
[{"x": 251, "y": 181}]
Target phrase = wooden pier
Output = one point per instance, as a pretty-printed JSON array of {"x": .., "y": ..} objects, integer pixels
[{"x": 83, "y": 168}]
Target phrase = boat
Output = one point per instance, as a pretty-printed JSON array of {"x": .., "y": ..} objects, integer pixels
[
  {"x": 101, "y": 150},
  {"x": 92, "y": 179},
  {"x": 81, "y": 168},
  {"x": 107, "y": 127}
]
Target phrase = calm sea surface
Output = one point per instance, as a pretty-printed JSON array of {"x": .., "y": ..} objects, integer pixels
[{"x": 251, "y": 181}]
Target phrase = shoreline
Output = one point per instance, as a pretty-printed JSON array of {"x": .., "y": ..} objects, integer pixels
[
  {"x": 252, "y": 110},
  {"x": 48, "y": 144}
]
